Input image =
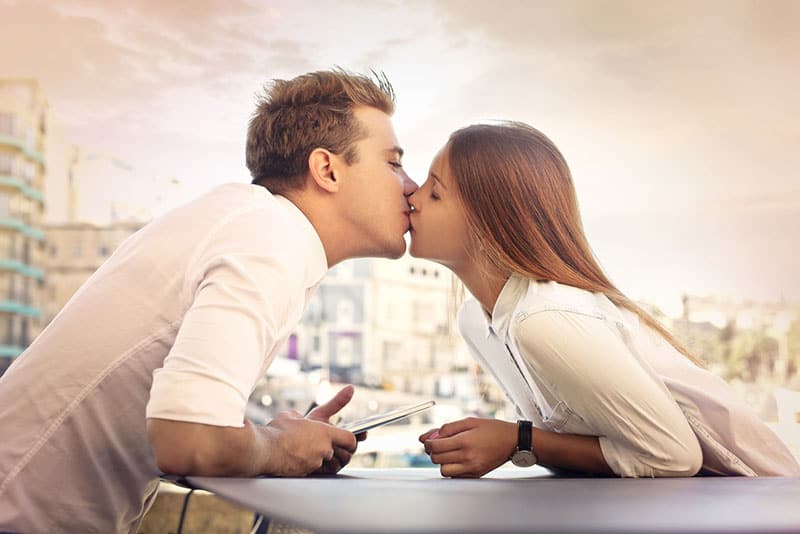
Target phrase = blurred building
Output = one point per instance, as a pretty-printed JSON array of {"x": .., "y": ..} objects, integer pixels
[
  {"x": 777, "y": 321},
  {"x": 742, "y": 313},
  {"x": 93, "y": 210},
  {"x": 90, "y": 187},
  {"x": 23, "y": 133},
  {"x": 386, "y": 324},
  {"x": 74, "y": 252}
]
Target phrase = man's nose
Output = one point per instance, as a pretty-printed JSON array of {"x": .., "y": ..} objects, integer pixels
[
  {"x": 410, "y": 198},
  {"x": 409, "y": 186}
]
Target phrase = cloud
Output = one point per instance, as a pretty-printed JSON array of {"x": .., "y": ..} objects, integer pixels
[
  {"x": 672, "y": 104},
  {"x": 166, "y": 85},
  {"x": 125, "y": 53},
  {"x": 679, "y": 112}
]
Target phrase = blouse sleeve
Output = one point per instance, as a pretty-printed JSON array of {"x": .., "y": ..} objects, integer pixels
[{"x": 641, "y": 429}]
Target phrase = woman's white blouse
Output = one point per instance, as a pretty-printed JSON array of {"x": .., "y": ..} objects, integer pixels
[{"x": 572, "y": 362}]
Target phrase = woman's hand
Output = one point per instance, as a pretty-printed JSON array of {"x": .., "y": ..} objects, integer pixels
[{"x": 471, "y": 447}]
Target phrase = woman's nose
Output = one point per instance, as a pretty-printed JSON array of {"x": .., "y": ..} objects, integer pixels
[{"x": 412, "y": 200}]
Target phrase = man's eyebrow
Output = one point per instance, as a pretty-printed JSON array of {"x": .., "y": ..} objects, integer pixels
[
  {"x": 395, "y": 150},
  {"x": 438, "y": 180}
]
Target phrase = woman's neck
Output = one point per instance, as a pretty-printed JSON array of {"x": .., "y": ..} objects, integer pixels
[{"x": 485, "y": 285}]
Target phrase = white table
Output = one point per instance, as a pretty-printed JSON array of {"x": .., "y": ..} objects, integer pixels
[{"x": 515, "y": 500}]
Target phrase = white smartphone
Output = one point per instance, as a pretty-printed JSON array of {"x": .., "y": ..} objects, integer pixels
[{"x": 368, "y": 423}]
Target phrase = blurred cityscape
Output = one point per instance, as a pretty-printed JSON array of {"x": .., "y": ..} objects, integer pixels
[{"x": 385, "y": 326}]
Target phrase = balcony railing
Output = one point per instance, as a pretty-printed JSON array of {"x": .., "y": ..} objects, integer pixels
[
  {"x": 12, "y": 306},
  {"x": 22, "y": 268},
  {"x": 10, "y": 351},
  {"x": 22, "y": 186},
  {"x": 19, "y": 226},
  {"x": 19, "y": 143}
]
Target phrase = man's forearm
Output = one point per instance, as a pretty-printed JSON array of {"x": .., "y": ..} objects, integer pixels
[{"x": 204, "y": 450}]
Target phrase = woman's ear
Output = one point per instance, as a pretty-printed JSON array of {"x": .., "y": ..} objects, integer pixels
[{"x": 320, "y": 164}]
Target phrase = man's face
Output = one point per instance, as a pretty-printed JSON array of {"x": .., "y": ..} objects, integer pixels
[{"x": 374, "y": 188}]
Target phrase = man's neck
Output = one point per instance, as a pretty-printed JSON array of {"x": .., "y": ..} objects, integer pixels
[{"x": 326, "y": 223}]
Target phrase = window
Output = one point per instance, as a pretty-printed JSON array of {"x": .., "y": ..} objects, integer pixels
[
  {"x": 423, "y": 312},
  {"x": 392, "y": 355},
  {"x": 292, "y": 347},
  {"x": 345, "y": 351},
  {"x": 6, "y": 124},
  {"x": 362, "y": 268},
  {"x": 76, "y": 250},
  {"x": 5, "y": 205},
  {"x": 345, "y": 312},
  {"x": 9, "y": 334},
  {"x": 103, "y": 251},
  {"x": 29, "y": 172},
  {"x": 7, "y": 163}
]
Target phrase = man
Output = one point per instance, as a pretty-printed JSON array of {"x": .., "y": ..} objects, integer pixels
[{"x": 149, "y": 367}]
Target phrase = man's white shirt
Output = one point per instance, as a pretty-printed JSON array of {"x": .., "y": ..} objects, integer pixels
[{"x": 180, "y": 323}]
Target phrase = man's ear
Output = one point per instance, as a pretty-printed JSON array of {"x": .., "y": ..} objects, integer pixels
[{"x": 320, "y": 165}]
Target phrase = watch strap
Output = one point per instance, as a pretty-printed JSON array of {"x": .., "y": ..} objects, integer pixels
[{"x": 524, "y": 435}]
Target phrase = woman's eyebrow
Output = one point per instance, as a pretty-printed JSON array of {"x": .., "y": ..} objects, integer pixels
[{"x": 438, "y": 180}]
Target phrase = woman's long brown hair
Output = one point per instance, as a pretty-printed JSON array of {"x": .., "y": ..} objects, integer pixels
[{"x": 521, "y": 208}]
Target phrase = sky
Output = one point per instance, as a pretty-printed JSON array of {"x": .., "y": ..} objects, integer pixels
[{"x": 680, "y": 120}]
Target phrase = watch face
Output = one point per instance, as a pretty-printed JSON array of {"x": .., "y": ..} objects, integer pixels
[{"x": 523, "y": 459}]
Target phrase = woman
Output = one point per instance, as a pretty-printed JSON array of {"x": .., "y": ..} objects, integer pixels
[{"x": 601, "y": 387}]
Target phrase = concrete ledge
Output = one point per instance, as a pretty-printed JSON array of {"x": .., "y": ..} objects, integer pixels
[{"x": 205, "y": 513}]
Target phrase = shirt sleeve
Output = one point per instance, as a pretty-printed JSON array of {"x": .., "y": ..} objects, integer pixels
[
  {"x": 641, "y": 429},
  {"x": 240, "y": 304}
]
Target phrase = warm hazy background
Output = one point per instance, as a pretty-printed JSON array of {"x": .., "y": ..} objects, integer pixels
[{"x": 680, "y": 120}]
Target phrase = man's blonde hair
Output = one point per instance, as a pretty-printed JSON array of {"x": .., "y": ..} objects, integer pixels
[{"x": 315, "y": 110}]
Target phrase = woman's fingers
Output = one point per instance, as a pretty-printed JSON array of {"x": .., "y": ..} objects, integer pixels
[
  {"x": 440, "y": 445},
  {"x": 452, "y": 457}
]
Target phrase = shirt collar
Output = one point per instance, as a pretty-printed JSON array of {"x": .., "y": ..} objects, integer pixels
[
  {"x": 317, "y": 264},
  {"x": 505, "y": 305}
]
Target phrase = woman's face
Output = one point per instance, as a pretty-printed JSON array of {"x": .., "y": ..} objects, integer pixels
[{"x": 438, "y": 223}]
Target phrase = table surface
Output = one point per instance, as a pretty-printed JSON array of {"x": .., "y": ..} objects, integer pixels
[{"x": 419, "y": 500}]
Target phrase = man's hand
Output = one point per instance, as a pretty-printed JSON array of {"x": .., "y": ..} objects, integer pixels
[
  {"x": 471, "y": 447},
  {"x": 299, "y": 446},
  {"x": 323, "y": 413},
  {"x": 290, "y": 445}
]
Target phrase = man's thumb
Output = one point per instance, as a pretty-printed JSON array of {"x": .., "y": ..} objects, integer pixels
[{"x": 330, "y": 408}]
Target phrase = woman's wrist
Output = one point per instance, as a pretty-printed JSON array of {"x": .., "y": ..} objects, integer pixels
[{"x": 510, "y": 439}]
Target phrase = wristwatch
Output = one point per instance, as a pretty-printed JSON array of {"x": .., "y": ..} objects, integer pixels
[{"x": 524, "y": 456}]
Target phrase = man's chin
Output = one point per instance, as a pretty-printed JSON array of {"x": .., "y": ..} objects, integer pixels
[
  {"x": 414, "y": 250},
  {"x": 396, "y": 250}
]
